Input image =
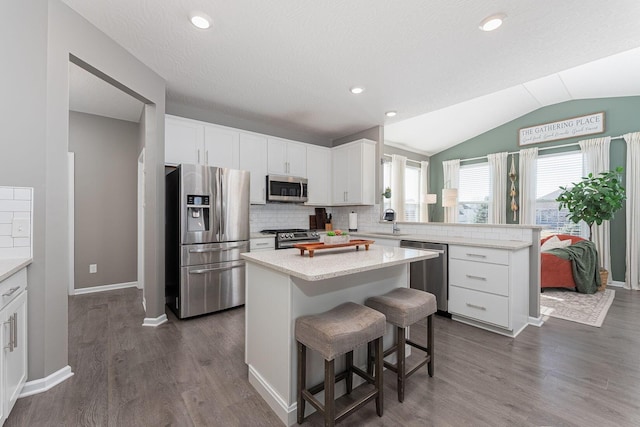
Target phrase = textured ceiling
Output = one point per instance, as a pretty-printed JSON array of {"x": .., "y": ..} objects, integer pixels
[{"x": 290, "y": 63}]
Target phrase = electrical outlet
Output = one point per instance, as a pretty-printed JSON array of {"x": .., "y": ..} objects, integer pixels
[{"x": 93, "y": 268}]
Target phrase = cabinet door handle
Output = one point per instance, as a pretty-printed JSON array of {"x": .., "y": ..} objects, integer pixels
[
  {"x": 262, "y": 244},
  {"x": 15, "y": 330},
  {"x": 11, "y": 291},
  {"x": 479, "y": 307},
  {"x": 206, "y": 157},
  {"x": 476, "y": 277},
  {"x": 198, "y": 155},
  {"x": 11, "y": 332},
  {"x": 477, "y": 255}
]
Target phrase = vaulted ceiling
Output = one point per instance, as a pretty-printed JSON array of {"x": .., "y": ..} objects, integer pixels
[{"x": 291, "y": 63}]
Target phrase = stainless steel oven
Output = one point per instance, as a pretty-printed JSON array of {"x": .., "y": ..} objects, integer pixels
[{"x": 286, "y": 238}]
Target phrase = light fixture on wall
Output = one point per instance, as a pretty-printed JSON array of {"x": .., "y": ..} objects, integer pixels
[{"x": 449, "y": 197}]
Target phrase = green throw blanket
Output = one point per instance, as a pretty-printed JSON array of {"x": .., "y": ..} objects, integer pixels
[{"x": 584, "y": 261}]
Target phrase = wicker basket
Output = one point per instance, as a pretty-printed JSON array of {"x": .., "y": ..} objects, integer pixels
[{"x": 604, "y": 276}]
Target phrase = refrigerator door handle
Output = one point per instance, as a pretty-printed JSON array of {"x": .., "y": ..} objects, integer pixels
[
  {"x": 222, "y": 212},
  {"x": 200, "y": 251},
  {"x": 208, "y": 270}
]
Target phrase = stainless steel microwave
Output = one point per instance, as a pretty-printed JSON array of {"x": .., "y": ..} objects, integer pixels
[{"x": 286, "y": 189}]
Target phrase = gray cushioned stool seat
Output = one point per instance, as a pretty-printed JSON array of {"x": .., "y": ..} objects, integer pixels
[
  {"x": 404, "y": 306},
  {"x": 340, "y": 329}
]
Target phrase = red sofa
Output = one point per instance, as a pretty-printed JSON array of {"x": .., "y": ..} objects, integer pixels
[{"x": 556, "y": 272}]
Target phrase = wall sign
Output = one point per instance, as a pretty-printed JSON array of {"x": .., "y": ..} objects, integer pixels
[{"x": 568, "y": 128}]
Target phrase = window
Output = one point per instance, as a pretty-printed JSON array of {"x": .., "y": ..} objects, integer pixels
[
  {"x": 411, "y": 190},
  {"x": 555, "y": 171},
  {"x": 474, "y": 193}
]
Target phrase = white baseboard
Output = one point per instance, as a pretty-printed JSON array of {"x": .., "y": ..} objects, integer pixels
[
  {"x": 104, "y": 288},
  {"x": 536, "y": 321},
  {"x": 616, "y": 283},
  {"x": 47, "y": 383},
  {"x": 155, "y": 321}
]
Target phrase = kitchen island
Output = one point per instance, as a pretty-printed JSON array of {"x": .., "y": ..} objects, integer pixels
[{"x": 283, "y": 285}]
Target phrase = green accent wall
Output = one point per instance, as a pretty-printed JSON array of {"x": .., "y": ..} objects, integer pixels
[{"x": 622, "y": 115}]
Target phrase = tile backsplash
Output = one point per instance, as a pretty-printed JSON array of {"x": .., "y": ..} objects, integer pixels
[{"x": 16, "y": 222}]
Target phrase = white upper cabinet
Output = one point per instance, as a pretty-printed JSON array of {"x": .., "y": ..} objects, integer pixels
[
  {"x": 253, "y": 157},
  {"x": 354, "y": 173},
  {"x": 318, "y": 174},
  {"x": 221, "y": 147},
  {"x": 184, "y": 141},
  {"x": 287, "y": 157},
  {"x": 198, "y": 143}
]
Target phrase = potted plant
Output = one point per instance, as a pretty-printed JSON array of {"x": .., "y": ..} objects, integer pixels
[
  {"x": 594, "y": 199},
  {"x": 387, "y": 193}
]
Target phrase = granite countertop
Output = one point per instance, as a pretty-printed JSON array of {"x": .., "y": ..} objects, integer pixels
[
  {"x": 329, "y": 263},
  {"x": 10, "y": 266},
  {"x": 485, "y": 243}
]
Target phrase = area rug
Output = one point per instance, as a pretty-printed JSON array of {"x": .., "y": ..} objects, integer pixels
[{"x": 590, "y": 309}]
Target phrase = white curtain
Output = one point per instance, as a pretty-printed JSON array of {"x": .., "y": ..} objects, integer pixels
[
  {"x": 398, "y": 165},
  {"x": 528, "y": 159},
  {"x": 595, "y": 159},
  {"x": 498, "y": 174},
  {"x": 451, "y": 170},
  {"x": 632, "y": 278},
  {"x": 424, "y": 189}
]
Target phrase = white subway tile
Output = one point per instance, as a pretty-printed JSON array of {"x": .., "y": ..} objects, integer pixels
[
  {"x": 6, "y": 193},
  {"x": 22, "y": 252},
  {"x": 21, "y": 242},
  {"x": 5, "y": 229},
  {"x": 21, "y": 214},
  {"x": 15, "y": 205},
  {"x": 6, "y": 217},
  {"x": 22, "y": 194},
  {"x": 6, "y": 242}
]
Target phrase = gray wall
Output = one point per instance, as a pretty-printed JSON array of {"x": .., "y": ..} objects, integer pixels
[
  {"x": 259, "y": 126},
  {"x": 622, "y": 116},
  {"x": 106, "y": 153},
  {"x": 34, "y": 131}
]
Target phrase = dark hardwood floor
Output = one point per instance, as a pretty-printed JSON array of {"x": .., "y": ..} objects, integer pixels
[{"x": 187, "y": 373}]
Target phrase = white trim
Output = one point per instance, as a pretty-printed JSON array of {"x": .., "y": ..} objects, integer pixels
[
  {"x": 287, "y": 414},
  {"x": 536, "y": 321},
  {"x": 155, "y": 321},
  {"x": 616, "y": 283},
  {"x": 104, "y": 288},
  {"x": 144, "y": 304},
  {"x": 141, "y": 206},
  {"x": 71, "y": 219},
  {"x": 43, "y": 384}
]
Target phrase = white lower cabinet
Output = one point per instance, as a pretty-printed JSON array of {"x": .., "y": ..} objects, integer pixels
[
  {"x": 13, "y": 336},
  {"x": 257, "y": 244},
  {"x": 489, "y": 287}
]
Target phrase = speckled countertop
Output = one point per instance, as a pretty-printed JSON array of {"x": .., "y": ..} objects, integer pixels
[
  {"x": 9, "y": 266},
  {"x": 485, "y": 243},
  {"x": 329, "y": 263}
]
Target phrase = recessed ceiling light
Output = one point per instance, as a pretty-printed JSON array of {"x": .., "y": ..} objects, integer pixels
[
  {"x": 390, "y": 113},
  {"x": 492, "y": 22},
  {"x": 356, "y": 90},
  {"x": 201, "y": 21}
]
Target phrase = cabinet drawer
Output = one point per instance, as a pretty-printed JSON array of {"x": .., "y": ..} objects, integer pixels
[
  {"x": 494, "y": 256},
  {"x": 492, "y": 278},
  {"x": 263, "y": 244},
  {"x": 12, "y": 286},
  {"x": 480, "y": 306}
]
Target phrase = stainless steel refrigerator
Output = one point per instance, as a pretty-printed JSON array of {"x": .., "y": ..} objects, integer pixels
[{"x": 207, "y": 228}]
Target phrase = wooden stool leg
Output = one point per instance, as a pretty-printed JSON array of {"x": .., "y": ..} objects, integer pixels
[
  {"x": 430, "y": 341},
  {"x": 349, "y": 369},
  {"x": 329, "y": 395},
  {"x": 302, "y": 379},
  {"x": 379, "y": 362},
  {"x": 400, "y": 364}
]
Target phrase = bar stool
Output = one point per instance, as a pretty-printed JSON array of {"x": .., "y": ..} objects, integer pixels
[
  {"x": 332, "y": 333},
  {"x": 403, "y": 307}
]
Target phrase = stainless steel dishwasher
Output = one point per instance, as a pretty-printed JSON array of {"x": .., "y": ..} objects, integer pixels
[{"x": 431, "y": 275}]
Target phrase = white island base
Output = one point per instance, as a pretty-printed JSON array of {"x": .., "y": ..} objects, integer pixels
[{"x": 275, "y": 298}]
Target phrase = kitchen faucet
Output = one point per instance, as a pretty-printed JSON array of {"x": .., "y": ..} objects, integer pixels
[
  {"x": 390, "y": 215},
  {"x": 395, "y": 228}
]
